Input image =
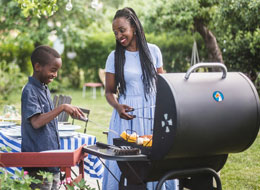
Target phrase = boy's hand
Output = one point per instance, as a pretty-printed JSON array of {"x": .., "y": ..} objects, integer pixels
[{"x": 74, "y": 112}]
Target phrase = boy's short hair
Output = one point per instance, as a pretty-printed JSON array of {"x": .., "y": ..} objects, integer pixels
[{"x": 43, "y": 55}]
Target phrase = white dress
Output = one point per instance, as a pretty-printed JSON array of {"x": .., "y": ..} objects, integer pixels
[{"x": 134, "y": 98}]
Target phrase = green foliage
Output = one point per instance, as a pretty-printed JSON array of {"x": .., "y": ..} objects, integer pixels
[
  {"x": 22, "y": 30},
  {"x": 170, "y": 15},
  {"x": 11, "y": 51},
  {"x": 7, "y": 149},
  {"x": 81, "y": 185},
  {"x": 240, "y": 14},
  {"x": 38, "y": 7},
  {"x": 11, "y": 79},
  {"x": 92, "y": 57},
  {"x": 22, "y": 180},
  {"x": 176, "y": 49},
  {"x": 245, "y": 44},
  {"x": 239, "y": 34},
  {"x": 46, "y": 175}
]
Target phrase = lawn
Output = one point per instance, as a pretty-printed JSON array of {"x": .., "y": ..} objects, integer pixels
[{"x": 241, "y": 171}]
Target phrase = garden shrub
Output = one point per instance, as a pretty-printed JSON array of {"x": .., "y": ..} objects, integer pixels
[{"x": 11, "y": 79}]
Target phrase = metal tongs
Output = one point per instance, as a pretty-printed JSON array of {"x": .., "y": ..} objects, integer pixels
[
  {"x": 83, "y": 118},
  {"x": 152, "y": 106},
  {"x": 149, "y": 118}
]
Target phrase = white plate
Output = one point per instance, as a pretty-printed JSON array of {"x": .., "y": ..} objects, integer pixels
[
  {"x": 15, "y": 134},
  {"x": 66, "y": 134},
  {"x": 64, "y": 123},
  {"x": 68, "y": 127},
  {"x": 6, "y": 124}
]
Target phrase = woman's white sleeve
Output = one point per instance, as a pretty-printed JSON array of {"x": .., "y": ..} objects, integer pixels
[{"x": 110, "y": 63}]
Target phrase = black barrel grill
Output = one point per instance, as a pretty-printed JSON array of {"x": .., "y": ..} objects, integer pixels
[{"x": 199, "y": 119}]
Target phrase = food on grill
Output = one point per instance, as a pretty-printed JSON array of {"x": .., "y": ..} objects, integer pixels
[
  {"x": 140, "y": 141},
  {"x": 124, "y": 135},
  {"x": 145, "y": 140},
  {"x": 130, "y": 138},
  {"x": 147, "y": 136}
]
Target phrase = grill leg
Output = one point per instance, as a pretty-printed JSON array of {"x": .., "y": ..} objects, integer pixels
[
  {"x": 199, "y": 179},
  {"x": 198, "y": 182},
  {"x": 130, "y": 186}
]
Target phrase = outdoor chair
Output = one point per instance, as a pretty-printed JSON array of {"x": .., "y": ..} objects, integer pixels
[
  {"x": 86, "y": 112},
  {"x": 62, "y": 99}
]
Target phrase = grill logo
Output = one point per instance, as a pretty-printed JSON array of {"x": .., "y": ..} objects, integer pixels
[
  {"x": 166, "y": 123},
  {"x": 218, "y": 96}
]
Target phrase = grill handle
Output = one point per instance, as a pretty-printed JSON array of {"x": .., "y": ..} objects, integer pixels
[{"x": 207, "y": 65}]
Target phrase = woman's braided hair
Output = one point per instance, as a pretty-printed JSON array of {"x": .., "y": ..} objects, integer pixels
[{"x": 149, "y": 73}]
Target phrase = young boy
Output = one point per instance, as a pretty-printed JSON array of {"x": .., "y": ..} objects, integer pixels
[{"x": 39, "y": 122}]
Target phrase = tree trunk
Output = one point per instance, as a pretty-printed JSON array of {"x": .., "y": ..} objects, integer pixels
[{"x": 214, "y": 53}]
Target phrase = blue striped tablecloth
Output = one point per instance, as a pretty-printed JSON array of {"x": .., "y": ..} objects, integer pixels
[{"x": 92, "y": 165}]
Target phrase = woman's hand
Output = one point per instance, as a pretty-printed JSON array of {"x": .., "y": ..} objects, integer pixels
[{"x": 122, "y": 110}]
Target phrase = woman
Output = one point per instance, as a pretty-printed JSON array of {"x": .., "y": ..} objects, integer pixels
[{"x": 131, "y": 73}]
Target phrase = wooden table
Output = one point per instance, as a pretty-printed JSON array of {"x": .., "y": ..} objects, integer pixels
[
  {"x": 59, "y": 158},
  {"x": 92, "y": 165},
  {"x": 92, "y": 85}
]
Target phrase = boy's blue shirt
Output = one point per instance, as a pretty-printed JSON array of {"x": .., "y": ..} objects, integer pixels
[{"x": 36, "y": 99}]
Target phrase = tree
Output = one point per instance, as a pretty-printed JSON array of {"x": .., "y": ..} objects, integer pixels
[
  {"x": 239, "y": 35},
  {"x": 191, "y": 16}
]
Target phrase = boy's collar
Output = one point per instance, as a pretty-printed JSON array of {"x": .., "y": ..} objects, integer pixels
[{"x": 37, "y": 83}]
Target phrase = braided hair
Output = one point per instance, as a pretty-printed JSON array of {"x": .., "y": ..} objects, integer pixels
[{"x": 149, "y": 74}]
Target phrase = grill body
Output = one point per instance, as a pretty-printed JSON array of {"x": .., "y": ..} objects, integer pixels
[{"x": 189, "y": 122}]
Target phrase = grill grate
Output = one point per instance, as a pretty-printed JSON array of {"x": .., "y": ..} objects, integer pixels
[{"x": 120, "y": 150}]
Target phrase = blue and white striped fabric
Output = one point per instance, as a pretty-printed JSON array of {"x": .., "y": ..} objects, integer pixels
[{"x": 92, "y": 165}]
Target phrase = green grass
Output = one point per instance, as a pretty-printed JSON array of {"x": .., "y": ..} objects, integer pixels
[{"x": 241, "y": 171}]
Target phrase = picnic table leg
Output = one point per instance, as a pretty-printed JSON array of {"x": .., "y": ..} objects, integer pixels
[
  {"x": 101, "y": 91},
  {"x": 94, "y": 92},
  {"x": 84, "y": 91},
  {"x": 81, "y": 168},
  {"x": 68, "y": 179}
]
